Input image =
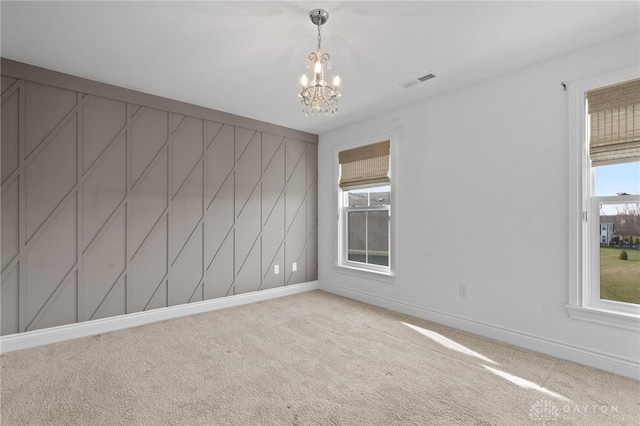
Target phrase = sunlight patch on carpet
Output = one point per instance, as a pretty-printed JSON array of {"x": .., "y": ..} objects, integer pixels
[
  {"x": 448, "y": 343},
  {"x": 526, "y": 384}
]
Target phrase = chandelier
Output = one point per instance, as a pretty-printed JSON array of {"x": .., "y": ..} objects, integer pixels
[{"x": 318, "y": 97}]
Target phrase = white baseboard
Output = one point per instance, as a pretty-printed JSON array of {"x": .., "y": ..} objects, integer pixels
[
  {"x": 603, "y": 361},
  {"x": 30, "y": 339}
]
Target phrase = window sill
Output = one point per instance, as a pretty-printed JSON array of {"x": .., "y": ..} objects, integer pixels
[
  {"x": 365, "y": 273},
  {"x": 604, "y": 316}
]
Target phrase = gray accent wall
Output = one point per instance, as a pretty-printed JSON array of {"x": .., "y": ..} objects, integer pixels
[{"x": 115, "y": 202}]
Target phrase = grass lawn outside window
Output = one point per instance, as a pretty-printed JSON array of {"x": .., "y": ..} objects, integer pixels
[{"x": 620, "y": 279}]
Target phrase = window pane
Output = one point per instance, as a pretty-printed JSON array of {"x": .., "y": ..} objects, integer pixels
[
  {"x": 358, "y": 198},
  {"x": 378, "y": 237},
  {"x": 356, "y": 243},
  {"x": 379, "y": 195},
  {"x": 620, "y": 252},
  {"x": 616, "y": 179}
]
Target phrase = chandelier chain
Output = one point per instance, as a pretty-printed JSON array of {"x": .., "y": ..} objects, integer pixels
[{"x": 319, "y": 38}]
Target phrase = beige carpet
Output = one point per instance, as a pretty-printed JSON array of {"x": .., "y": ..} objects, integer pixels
[{"x": 312, "y": 358}]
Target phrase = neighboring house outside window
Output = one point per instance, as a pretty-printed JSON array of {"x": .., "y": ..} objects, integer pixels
[
  {"x": 606, "y": 231},
  {"x": 365, "y": 204},
  {"x": 605, "y": 203}
]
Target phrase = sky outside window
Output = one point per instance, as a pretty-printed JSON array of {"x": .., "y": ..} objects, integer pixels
[{"x": 618, "y": 178}]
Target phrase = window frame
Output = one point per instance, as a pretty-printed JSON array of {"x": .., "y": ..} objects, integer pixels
[
  {"x": 341, "y": 263},
  {"x": 345, "y": 233},
  {"x": 584, "y": 224}
]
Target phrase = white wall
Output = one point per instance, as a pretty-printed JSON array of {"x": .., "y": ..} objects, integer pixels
[{"x": 482, "y": 201}]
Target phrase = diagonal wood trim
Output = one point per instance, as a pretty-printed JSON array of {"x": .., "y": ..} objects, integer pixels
[
  {"x": 197, "y": 225},
  {"x": 52, "y": 298},
  {"x": 153, "y": 295},
  {"x": 105, "y": 153},
  {"x": 105, "y": 300},
  {"x": 249, "y": 252},
  {"x": 230, "y": 232},
  {"x": 195, "y": 290},
  {"x": 231, "y": 172},
  {"x": 54, "y": 132},
  {"x": 42, "y": 228},
  {"x": 14, "y": 86},
  {"x": 265, "y": 167},
  {"x": 275, "y": 205},
  {"x": 153, "y": 161},
  {"x": 104, "y": 227},
  {"x": 249, "y": 197}
]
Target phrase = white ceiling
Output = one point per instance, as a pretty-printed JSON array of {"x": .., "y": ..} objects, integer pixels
[{"x": 246, "y": 58}]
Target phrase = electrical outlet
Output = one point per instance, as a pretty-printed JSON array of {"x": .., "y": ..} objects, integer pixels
[
  {"x": 294, "y": 267},
  {"x": 276, "y": 269},
  {"x": 464, "y": 291}
]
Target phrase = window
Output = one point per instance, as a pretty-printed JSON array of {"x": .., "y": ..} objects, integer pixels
[
  {"x": 366, "y": 215},
  {"x": 365, "y": 200},
  {"x": 605, "y": 179}
]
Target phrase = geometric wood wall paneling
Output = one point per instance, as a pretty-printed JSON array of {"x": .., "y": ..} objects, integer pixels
[
  {"x": 148, "y": 268},
  {"x": 6, "y": 83},
  {"x": 149, "y": 133},
  {"x": 175, "y": 120},
  {"x": 296, "y": 242},
  {"x": 296, "y": 167},
  {"x": 50, "y": 176},
  {"x": 49, "y": 260},
  {"x": 273, "y": 181},
  {"x": 46, "y": 106},
  {"x": 248, "y": 149},
  {"x": 219, "y": 220},
  {"x": 10, "y": 126},
  {"x": 147, "y": 202},
  {"x": 102, "y": 120},
  {"x": 111, "y": 207},
  {"x": 159, "y": 298},
  {"x": 186, "y": 272},
  {"x": 248, "y": 168},
  {"x": 115, "y": 303},
  {"x": 9, "y": 302},
  {"x": 219, "y": 162},
  {"x": 211, "y": 132},
  {"x": 242, "y": 139},
  {"x": 295, "y": 211},
  {"x": 248, "y": 277},
  {"x": 104, "y": 263},
  {"x": 247, "y": 244},
  {"x": 273, "y": 246},
  {"x": 10, "y": 245},
  {"x": 186, "y": 212},
  {"x": 187, "y": 149},
  {"x": 312, "y": 212},
  {"x": 219, "y": 276},
  {"x": 63, "y": 308},
  {"x": 312, "y": 255},
  {"x": 104, "y": 189}
]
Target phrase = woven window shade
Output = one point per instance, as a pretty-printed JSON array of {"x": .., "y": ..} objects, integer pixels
[
  {"x": 614, "y": 112},
  {"x": 364, "y": 166}
]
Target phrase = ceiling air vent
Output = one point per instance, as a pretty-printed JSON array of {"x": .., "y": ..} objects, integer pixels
[{"x": 418, "y": 80}]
